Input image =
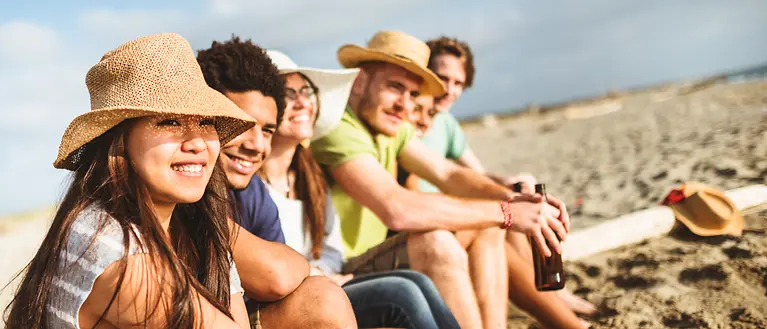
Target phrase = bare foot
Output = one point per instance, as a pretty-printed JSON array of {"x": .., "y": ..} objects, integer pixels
[{"x": 577, "y": 304}]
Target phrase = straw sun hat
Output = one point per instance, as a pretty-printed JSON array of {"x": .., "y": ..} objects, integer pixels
[
  {"x": 704, "y": 210},
  {"x": 334, "y": 87},
  {"x": 396, "y": 48},
  {"x": 152, "y": 75}
]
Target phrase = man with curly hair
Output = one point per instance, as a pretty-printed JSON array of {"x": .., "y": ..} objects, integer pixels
[{"x": 276, "y": 279}]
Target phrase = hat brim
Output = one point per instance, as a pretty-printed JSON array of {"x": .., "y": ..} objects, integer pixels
[
  {"x": 734, "y": 227},
  {"x": 334, "y": 88},
  {"x": 230, "y": 121},
  {"x": 352, "y": 55}
]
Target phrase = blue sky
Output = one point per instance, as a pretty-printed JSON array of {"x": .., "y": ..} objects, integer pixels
[{"x": 526, "y": 51}]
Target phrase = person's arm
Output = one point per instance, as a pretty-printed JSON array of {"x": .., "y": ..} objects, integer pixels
[
  {"x": 469, "y": 160},
  {"x": 400, "y": 209},
  {"x": 364, "y": 180},
  {"x": 411, "y": 183},
  {"x": 449, "y": 177},
  {"x": 269, "y": 270},
  {"x": 142, "y": 299},
  {"x": 236, "y": 300},
  {"x": 239, "y": 311}
]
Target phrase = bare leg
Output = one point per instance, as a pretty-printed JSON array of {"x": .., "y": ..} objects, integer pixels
[
  {"x": 520, "y": 244},
  {"x": 490, "y": 276},
  {"x": 439, "y": 255},
  {"x": 317, "y": 303},
  {"x": 545, "y": 307}
]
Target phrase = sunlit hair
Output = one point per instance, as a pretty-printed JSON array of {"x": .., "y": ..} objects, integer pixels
[{"x": 196, "y": 256}]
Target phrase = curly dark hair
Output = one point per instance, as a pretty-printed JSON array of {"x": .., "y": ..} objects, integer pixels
[
  {"x": 457, "y": 48},
  {"x": 241, "y": 66}
]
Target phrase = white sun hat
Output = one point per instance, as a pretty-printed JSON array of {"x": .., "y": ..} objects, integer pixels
[{"x": 334, "y": 87}]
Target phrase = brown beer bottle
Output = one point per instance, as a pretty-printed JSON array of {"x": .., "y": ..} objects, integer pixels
[{"x": 549, "y": 271}]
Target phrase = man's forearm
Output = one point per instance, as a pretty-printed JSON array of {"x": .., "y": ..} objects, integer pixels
[
  {"x": 417, "y": 212},
  {"x": 269, "y": 271},
  {"x": 465, "y": 182}
]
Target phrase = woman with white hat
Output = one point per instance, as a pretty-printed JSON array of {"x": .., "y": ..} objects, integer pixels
[
  {"x": 141, "y": 236},
  {"x": 316, "y": 100}
]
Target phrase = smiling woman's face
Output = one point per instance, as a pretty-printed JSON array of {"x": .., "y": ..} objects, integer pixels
[
  {"x": 173, "y": 155},
  {"x": 298, "y": 120}
]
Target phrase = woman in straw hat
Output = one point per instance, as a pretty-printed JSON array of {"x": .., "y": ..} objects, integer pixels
[
  {"x": 316, "y": 100},
  {"x": 141, "y": 236}
]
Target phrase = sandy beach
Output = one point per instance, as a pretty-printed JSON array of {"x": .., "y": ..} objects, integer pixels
[
  {"x": 621, "y": 161},
  {"x": 628, "y": 159},
  {"x": 20, "y": 237},
  {"x": 676, "y": 281}
]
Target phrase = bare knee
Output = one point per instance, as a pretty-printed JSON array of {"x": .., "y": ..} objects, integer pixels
[
  {"x": 317, "y": 303},
  {"x": 492, "y": 235},
  {"x": 436, "y": 248}
]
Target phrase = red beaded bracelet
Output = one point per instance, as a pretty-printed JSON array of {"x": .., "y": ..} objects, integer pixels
[{"x": 508, "y": 216}]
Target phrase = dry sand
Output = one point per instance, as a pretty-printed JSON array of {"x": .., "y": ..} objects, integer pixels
[
  {"x": 20, "y": 237},
  {"x": 676, "y": 281},
  {"x": 627, "y": 160}
]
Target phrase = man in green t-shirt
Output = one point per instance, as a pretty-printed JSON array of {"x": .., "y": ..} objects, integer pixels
[{"x": 361, "y": 157}]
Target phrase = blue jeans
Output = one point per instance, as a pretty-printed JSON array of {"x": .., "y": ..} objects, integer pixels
[{"x": 400, "y": 298}]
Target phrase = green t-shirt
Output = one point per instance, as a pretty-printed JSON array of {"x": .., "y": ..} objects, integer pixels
[
  {"x": 360, "y": 227},
  {"x": 446, "y": 138}
]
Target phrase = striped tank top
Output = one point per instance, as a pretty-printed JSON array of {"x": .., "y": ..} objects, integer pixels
[{"x": 82, "y": 262}]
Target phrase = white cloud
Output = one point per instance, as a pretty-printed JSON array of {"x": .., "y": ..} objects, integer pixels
[
  {"x": 274, "y": 24},
  {"x": 43, "y": 97},
  {"x": 233, "y": 8},
  {"x": 116, "y": 27},
  {"x": 26, "y": 41}
]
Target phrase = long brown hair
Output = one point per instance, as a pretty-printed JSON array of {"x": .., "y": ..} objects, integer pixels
[
  {"x": 196, "y": 255},
  {"x": 311, "y": 185},
  {"x": 311, "y": 189}
]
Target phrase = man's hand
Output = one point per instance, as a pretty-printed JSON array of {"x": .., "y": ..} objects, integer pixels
[
  {"x": 543, "y": 222},
  {"x": 527, "y": 180}
]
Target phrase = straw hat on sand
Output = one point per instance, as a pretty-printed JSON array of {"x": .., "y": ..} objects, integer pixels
[
  {"x": 334, "y": 87},
  {"x": 705, "y": 210},
  {"x": 148, "y": 76},
  {"x": 399, "y": 49}
]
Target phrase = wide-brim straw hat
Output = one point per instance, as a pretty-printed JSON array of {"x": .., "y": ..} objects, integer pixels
[
  {"x": 396, "y": 48},
  {"x": 705, "y": 210},
  {"x": 154, "y": 75},
  {"x": 334, "y": 87}
]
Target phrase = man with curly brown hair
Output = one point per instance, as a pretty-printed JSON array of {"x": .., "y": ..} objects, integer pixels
[{"x": 275, "y": 277}]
